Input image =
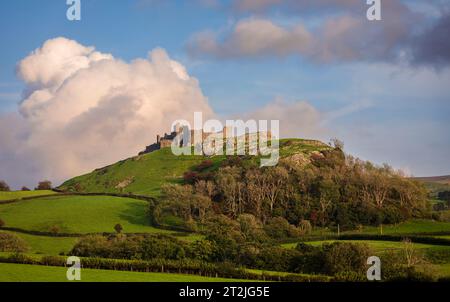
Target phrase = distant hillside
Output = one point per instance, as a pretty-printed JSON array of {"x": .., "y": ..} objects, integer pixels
[
  {"x": 437, "y": 179},
  {"x": 436, "y": 184},
  {"x": 146, "y": 173}
]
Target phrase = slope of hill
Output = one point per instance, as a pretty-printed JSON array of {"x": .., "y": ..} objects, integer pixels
[
  {"x": 145, "y": 174},
  {"x": 445, "y": 180},
  {"x": 436, "y": 184},
  {"x": 78, "y": 214},
  {"x": 24, "y": 194}
]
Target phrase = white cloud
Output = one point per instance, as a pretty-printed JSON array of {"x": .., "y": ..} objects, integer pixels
[{"x": 85, "y": 109}]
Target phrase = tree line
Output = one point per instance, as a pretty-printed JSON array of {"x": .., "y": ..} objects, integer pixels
[{"x": 334, "y": 189}]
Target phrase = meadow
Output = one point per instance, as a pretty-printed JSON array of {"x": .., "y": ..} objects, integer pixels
[
  {"x": 375, "y": 245},
  {"x": 78, "y": 214},
  {"x": 23, "y": 194},
  {"x": 38, "y": 273}
]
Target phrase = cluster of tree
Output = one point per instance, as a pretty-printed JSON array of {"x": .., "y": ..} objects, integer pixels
[
  {"x": 121, "y": 246},
  {"x": 225, "y": 244},
  {"x": 12, "y": 243},
  {"x": 223, "y": 247},
  {"x": 43, "y": 185},
  {"x": 334, "y": 189}
]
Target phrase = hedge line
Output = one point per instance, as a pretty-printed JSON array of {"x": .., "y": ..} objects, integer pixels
[{"x": 187, "y": 266}]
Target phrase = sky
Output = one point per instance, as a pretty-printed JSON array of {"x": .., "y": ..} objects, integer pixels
[{"x": 77, "y": 95}]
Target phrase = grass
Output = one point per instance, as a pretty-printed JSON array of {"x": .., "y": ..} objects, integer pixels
[
  {"x": 46, "y": 245},
  {"x": 79, "y": 214},
  {"x": 36, "y": 273},
  {"x": 415, "y": 226},
  {"x": 146, "y": 174},
  {"x": 377, "y": 246},
  {"x": 22, "y": 194},
  {"x": 411, "y": 227}
]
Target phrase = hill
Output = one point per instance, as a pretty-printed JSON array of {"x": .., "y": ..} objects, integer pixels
[
  {"x": 445, "y": 180},
  {"x": 78, "y": 214},
  {"x": 435, "y": 184},
  {"x": 144, "y": 174}
]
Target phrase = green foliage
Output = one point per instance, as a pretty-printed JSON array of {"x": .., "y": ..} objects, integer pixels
[
  {"x": 279, "y": 228},
  {"x": 44, "y": 185},
  {"x": 4, "y": 186},
  {"x": 118, "y": 228},
  {"x": 12, "y": 243}
]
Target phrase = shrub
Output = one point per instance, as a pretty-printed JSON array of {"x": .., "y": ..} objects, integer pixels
[
  {"x": 91, "y": 246},
  {"x": 4, "y": 186},
  {"x": 53, "y": 261},
  {"x": 305, "y": 227},
  {"x": 12, "y": 243},
  {"x": 25, "y": 189},
  {"x": 54, "y": 229},
  {"x": 345, "y": 257},
  {"x": 2, "y": 223},
  {"x": 204, "y": 165},
  {"x": 44, "y": 185},
  {"x": 279, "y": 228},
  {"x": 118, "y": 228}
]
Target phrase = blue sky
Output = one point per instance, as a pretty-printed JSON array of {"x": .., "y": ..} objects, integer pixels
[{"x": 385, "y": 108}]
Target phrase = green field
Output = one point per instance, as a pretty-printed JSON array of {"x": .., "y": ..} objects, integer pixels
[
  {"x": 377, "y": 246},
  {"x": 46, "y": 245},
  {"x": 37, "y": 273},
  {"x": 78, "y": 214},
  {"x": 415, "y": 226},
  {"x": 411, "y": 227},
  {"x": 22, "y": 194}
]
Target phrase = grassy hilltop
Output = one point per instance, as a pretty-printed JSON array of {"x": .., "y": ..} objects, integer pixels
[{"x": 144, "y": 175}]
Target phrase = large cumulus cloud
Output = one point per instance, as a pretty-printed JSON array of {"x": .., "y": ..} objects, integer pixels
[{"x": 83, "y": 109}]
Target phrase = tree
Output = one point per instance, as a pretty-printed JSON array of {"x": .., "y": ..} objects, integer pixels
[
  {"x": 276, "y": 177},
  {"x": 4, "y": 186},
  {"x": 44, "y": 185},
  {"x": 118, "y": 228}
]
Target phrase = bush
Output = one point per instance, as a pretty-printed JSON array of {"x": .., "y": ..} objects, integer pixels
[
  {"x": 12, "y": 243},
  {"x": 118, "y": 228},
  {"x": 25, "y": 189},
  {"x": 280, "y": 228},
  {"x": 345, "y": 257},
  {"x": 347, "y": 261},
  {"x": 2, "y": 223},
  {"x": 44, "y": 185},
  {"x": 204, "y": 165},
  {"x": 54, "y": 229},
  {"x": 4, "y": 186}
]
